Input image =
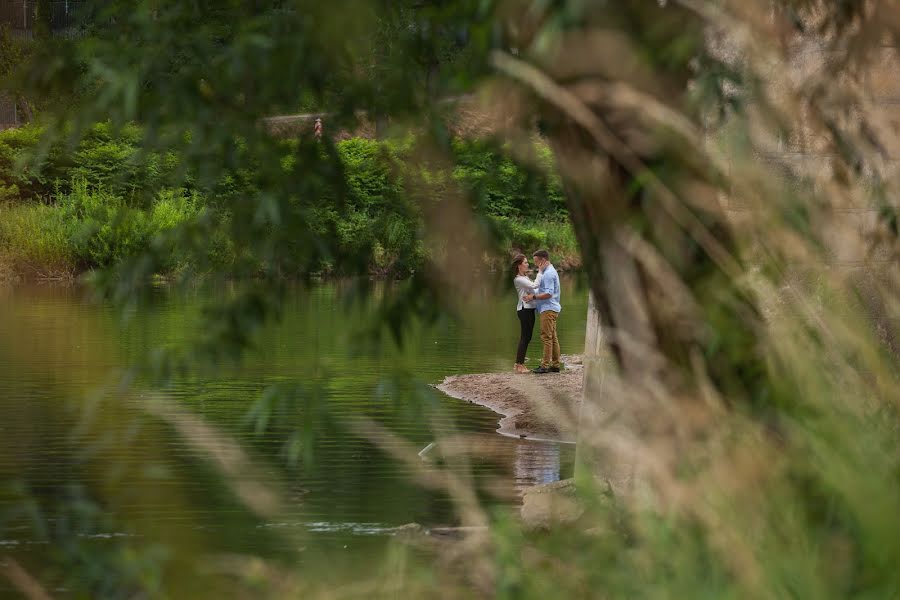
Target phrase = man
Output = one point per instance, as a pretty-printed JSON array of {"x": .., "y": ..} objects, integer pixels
[{"x": 548, "y": 307}]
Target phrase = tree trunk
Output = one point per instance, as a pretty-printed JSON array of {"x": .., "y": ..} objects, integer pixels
[
  {"x": 591, "y": 394},
  {"x": 381, "y": 126}
]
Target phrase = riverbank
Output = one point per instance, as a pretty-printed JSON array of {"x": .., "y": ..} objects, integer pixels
[
  {"x": 537, "y": 407},
  {"x": 23, "y": 267}
]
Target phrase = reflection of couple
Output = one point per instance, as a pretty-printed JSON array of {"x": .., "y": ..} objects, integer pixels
[{"x": 541, "y": 296}]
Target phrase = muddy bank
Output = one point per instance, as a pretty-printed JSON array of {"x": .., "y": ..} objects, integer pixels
[{"x": 541, "y": 407}]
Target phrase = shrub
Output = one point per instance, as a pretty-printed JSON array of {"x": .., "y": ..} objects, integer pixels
[
  {"x": 500, "y": 187},
  {"x": 172, "y": 208},
  {"x": 22, "y": 177},
  {"x": 368, "y": 172},
  {"x": 526, "y": 236},
  {"x": 109, "y": 230},
  {"x": 519, "y": 236},
  {"x": 105, "y": 158},
  {"x": 109, "y": 159},
  {"x": 111, "y": 233},
  {"x": 115, "y": 201},
  {"x": 106, "y": 164},
  {"x": 560, "y": 236}
]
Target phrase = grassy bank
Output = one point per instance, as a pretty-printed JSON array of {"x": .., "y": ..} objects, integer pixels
[
  {"x": 83, "y": 230},
  {"x": 48, "y": 243},
  {"x": 65, "y": 211}
]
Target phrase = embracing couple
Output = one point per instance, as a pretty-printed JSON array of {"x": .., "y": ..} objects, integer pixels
[{"x": 540, "y": 296}]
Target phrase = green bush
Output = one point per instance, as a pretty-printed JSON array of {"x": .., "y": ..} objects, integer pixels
[
  {"x": 108, "y": 230},
  {"x": 20, "y": 177},
  {"x": 90, "y": 227},
  {"x": 368, "y": 172},
  {"x": 500, "y": 187},
  {"x": 172, "y": 208},
  {"x": 519, "y": 236},
  {"x": 115, "y": 201},
  {"x": 559, "y": 235},
  {"x": 378, "y": 224},
  {"x": 105, "y": 158},
  {"x": 526, "y": 236},
  {"x": 525, "y": 206},
  {"x": 105, "y": 164},
  {"x": 110, "y": 159}
]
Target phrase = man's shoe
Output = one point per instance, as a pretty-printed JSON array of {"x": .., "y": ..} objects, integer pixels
[
  {"x": 541, "y": 370},
  {"x": 555, "y": 369}
]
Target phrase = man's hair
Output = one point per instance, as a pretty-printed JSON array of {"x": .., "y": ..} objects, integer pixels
[{"x": 542, "y": 254}]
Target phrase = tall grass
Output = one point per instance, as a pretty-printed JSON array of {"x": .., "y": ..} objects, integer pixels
[
  {"x": 561, "y": 243},
  {"x": 36, "y": 241},
  {"x": 87, "y": 228}
]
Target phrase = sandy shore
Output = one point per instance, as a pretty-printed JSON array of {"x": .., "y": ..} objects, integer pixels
[{"x": 540, "y": 407}]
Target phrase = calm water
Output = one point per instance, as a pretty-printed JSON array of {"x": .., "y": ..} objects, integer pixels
[{"x": 68, "y": 432}]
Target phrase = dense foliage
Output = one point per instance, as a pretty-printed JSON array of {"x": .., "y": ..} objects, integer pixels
[{"x": 102, "y": 201}]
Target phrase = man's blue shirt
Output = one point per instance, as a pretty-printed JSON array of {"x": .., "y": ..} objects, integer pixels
[{"x": 549, "y": 285}]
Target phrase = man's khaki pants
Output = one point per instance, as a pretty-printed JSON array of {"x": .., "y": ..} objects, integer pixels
[{"x": 549, "y": 339}]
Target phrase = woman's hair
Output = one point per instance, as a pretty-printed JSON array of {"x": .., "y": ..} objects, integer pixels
[{"x": 517, "y": 260}]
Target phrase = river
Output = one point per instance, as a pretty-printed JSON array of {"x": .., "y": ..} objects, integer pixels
[{"x": 83, "y": 456}]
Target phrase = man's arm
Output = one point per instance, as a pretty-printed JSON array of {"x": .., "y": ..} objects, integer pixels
[
  {"x": 544, "y": 296},
  {"x": 548, "y": 295}
]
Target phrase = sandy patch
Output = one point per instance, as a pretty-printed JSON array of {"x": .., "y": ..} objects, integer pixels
[{"x": 541, "y": 407}]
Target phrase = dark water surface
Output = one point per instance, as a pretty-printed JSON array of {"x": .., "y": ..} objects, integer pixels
[{"x": 84, "y": 456}]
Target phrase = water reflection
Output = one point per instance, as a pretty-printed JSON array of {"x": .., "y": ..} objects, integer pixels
[
  {"x": 536, "y": 463},
  {"x": 57, "y": 349}
]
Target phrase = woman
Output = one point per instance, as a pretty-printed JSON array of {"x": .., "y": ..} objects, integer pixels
[{"x": 525, "y": 310}]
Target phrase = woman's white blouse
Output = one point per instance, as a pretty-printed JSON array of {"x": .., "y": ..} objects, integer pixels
[{"x": 524, "y": 286}]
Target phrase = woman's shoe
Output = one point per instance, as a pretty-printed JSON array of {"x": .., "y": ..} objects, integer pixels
[{"x": 520, "y": 368}]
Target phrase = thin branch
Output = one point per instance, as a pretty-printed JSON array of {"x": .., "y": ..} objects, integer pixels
[{"x": 22, "y": 580}]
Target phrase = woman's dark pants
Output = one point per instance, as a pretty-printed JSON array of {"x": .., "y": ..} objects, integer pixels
[{"x": 526, "y": 321}]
